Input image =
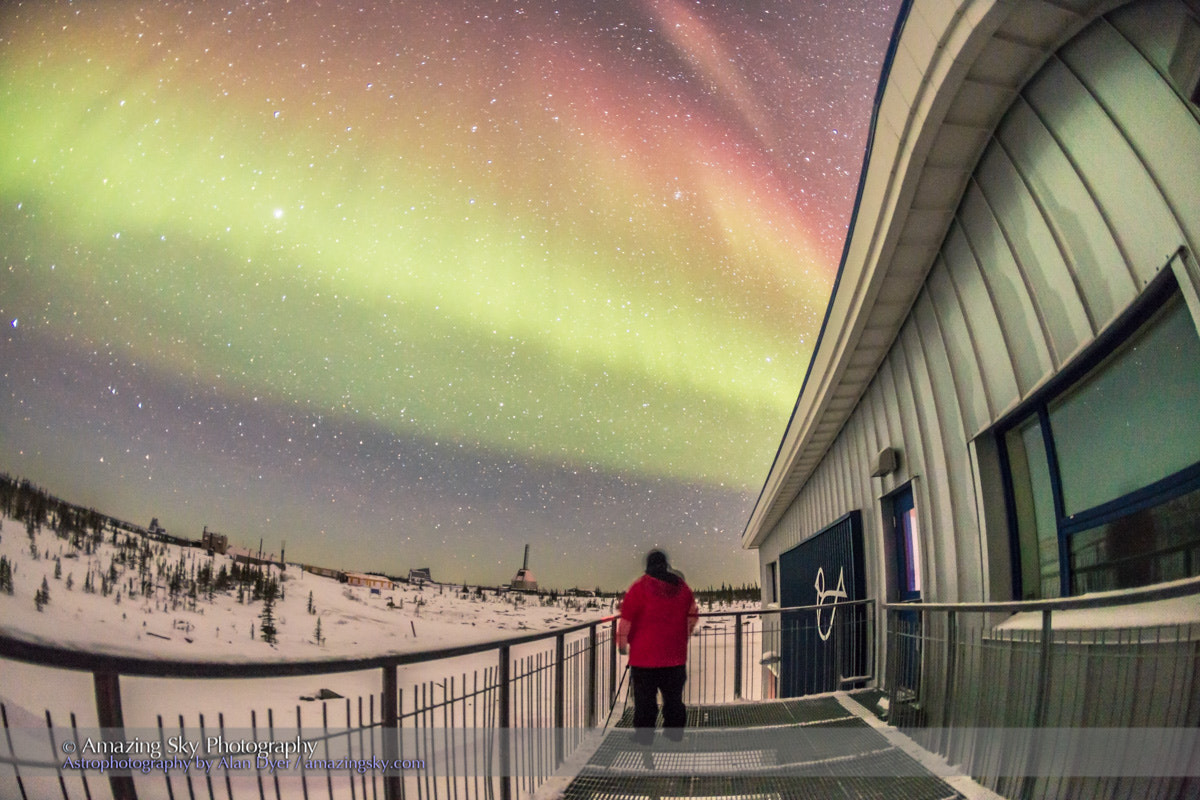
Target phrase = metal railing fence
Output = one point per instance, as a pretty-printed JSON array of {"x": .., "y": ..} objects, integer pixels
[
  {"x": 1048, "y": 699},
  {"x": 497, "y": 720}
]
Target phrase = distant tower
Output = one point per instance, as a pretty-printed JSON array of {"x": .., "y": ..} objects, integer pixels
[{"x": 524, "y": 581}]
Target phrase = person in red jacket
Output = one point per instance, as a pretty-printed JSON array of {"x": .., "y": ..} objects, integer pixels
[{"x": 658, "y": 615}]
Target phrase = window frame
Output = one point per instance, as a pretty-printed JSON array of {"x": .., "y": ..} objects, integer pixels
[{"x": 1161, "y": 291}]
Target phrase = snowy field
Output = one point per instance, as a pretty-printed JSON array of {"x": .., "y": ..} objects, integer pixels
[
  {"x": 96, "y": 604},
  {"x": 355, "y": 622}
]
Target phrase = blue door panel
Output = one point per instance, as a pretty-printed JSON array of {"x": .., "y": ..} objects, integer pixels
[{"x": 818, "y": 648}]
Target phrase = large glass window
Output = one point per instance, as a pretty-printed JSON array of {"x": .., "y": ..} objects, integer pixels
[
  {"x": 1151, "y": 545},
  {"x": 1104, "y": 472},
  {"x": 1036, "y": 524},
  {"x": 1140, "y": 410}
]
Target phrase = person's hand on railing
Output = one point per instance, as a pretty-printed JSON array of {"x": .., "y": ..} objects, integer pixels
[{"x": 623, "y": 629}]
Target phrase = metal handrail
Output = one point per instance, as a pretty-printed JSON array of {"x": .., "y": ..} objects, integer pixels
[
  {"x": 1164, "y": 591},
  {"x": 108, "y": 669},
  {"x": 49, "y": 655},
  {"x": 68, "y": 658},
  {"x": 950, "y": 674}
]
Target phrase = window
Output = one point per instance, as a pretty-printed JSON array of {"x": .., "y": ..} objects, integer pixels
[
  {"x": 1103, "y": 469},
  {"x": 907, "y": 531},
  {"x": 772, "y": 582},
  {"x": 1037, "y": 526}
]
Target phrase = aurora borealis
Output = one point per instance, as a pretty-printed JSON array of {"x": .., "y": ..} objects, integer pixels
[{"x": 413, "y": 284}]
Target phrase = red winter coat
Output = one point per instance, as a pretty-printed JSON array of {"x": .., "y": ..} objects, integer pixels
[{"x": 657, "y": 618}]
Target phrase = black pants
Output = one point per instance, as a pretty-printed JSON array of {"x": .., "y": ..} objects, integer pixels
[{"x": 647, "y": 683}]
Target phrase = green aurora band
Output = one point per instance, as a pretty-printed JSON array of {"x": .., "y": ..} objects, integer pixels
[{"x": 397, "y": 267}]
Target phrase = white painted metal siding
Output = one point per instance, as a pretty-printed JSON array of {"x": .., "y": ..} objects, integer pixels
[{"x": 1087, "y": 187}]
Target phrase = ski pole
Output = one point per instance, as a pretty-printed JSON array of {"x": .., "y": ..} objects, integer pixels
[{"x": 616, "y": 695}]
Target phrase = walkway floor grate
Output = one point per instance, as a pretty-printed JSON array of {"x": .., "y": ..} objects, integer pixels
[
  {"x": 783, "y": 750},
  {"x": 746, "y": 715},
  {"x": 741, "y": 786}
]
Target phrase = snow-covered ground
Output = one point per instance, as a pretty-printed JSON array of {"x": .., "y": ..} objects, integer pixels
[
  {"x": 114, "y": 616},
  {"x": 355, "y": 621}
]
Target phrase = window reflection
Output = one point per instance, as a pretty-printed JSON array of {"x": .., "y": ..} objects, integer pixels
[{"x": 1123, "y": 454}]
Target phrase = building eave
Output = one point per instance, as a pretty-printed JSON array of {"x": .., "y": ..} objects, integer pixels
[{"x": 951, "y": 73}]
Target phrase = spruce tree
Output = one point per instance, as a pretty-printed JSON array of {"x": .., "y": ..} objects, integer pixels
[
  {"x": 6, "y": 577},
  {"x": 268, "y": 613}
]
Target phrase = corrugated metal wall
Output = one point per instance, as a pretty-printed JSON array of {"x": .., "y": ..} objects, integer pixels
[{"x": 1087, "y": 188}]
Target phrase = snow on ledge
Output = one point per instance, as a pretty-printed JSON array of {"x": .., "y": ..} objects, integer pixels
[{"x": 1155, "y": 613}]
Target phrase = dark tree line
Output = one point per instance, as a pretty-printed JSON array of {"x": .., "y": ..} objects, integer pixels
[{"x": 729, "y": 594}]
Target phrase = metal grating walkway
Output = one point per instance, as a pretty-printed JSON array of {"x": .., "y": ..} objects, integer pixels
[{"x": 785, "y": 750}]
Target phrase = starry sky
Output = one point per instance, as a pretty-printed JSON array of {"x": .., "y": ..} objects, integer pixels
[{"x": 418, "y": 283}]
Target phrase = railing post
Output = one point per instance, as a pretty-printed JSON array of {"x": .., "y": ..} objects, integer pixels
[
  {"x": 873, "y": 637},
  {"x": 891, "y": 639},
  {"x": 592, "y": 676},
  {"x": 391, "y": 734},
  {"x": 112, "y": 726},
  {"x": 612, "y": 666},
  {"x": 737, "y": 656},
  {"x": 951, "y": 666},
  {"x": 1039, "y": 705},
  {"x": 837, "y": 633},
  {"x": 560, "y": 663},
  {"x": 505, "y": 725},
  {"x": 1043, "y": 686}
]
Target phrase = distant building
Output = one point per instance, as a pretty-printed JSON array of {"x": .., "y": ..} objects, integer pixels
[
  {"x": 369, "y": 581},
  {"x": 255, "y": 558},
  {"x": 325, "y": 572},
  {"x": 524, "y": 580},
  {"x": 420, "y": 576},
  {"x": 212, "y": 541}
]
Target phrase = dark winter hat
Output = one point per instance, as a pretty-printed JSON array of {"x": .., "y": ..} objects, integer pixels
[
  {"x": 657, "y": 567},
  {"x": 656, "y": 561}
]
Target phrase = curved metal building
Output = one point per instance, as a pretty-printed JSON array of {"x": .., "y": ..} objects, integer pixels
[{"x": 1006, "y": 390}]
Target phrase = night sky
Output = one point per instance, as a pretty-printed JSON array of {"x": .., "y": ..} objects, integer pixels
[{"x": 416, "y": 284}]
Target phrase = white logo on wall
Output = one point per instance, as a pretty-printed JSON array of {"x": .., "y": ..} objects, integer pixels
[{"x": 837, "y": 594}]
